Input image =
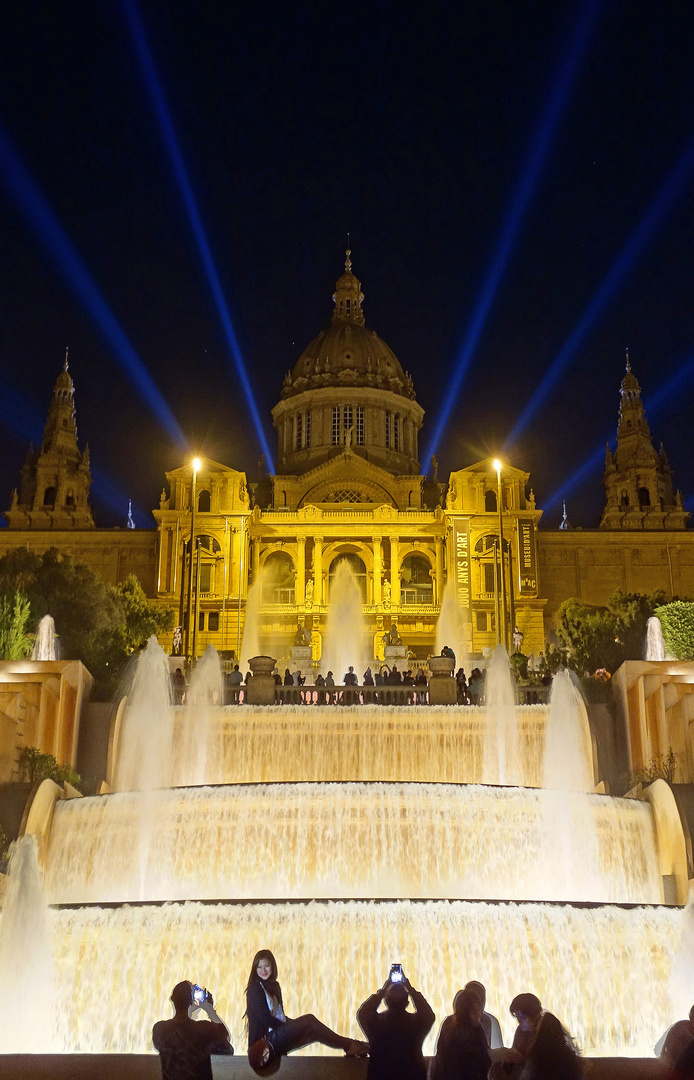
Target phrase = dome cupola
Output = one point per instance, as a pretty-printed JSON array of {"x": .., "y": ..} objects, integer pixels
[{"x": 347, "y": 388}]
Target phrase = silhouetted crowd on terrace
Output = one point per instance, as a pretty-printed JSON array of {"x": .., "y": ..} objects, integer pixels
[{"x": 395, "y": 1021}]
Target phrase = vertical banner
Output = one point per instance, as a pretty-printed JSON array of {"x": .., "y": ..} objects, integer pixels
[
  {"x": 461, "y": 557},
  {"x": 527, "y": 557}
]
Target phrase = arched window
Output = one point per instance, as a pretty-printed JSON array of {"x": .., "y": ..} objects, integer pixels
[
  {"x": 204, "y": 502},
  {"x": 417, "y": 586},
  {"x": 49, "y": 497},
  {"x": 644, "y": 497},
  {"x": 207, "y": 542},
  {"x": 70, "y": 499},
  {"x": 490, "y": 504},
  {"x": 277, "y": 576},
  {"x": 347, "y": 570}
]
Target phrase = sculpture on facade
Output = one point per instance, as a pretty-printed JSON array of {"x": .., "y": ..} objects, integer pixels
[
  {"x": 392, "y": 637},
  {"x": 386, "y": 593}
]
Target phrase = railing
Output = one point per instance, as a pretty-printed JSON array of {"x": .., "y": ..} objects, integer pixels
[{"x": 351, "y": 695}]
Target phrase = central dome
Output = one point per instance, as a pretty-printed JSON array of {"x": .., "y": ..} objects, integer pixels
[
  {"x": 347, "y": 394},
  {"x": 347, "y": 354}
]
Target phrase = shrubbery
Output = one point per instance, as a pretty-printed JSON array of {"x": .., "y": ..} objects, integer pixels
[
  {"x": 605, "y": 636},
  {"x": 677, "y": 621},
  {"x": 40, "y": 766}
]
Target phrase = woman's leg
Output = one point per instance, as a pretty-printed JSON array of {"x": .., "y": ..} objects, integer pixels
[{"x": 304, "y": 1030}]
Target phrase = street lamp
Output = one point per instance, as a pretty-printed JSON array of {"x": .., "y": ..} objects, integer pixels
[
  {"x": 504, "y": 638},
  {"x": 196, "y": 465}
]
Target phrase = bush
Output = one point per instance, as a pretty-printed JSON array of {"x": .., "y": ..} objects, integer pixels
[
  {"x": 677, "y": 621},
  {"x": 15, "y": 643},
  {"x": 39, "y": 766}
]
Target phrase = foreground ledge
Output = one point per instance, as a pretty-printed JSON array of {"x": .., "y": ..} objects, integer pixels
[{"x": 146, "y": 1067}]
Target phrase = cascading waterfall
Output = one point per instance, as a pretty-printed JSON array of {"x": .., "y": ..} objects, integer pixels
[
  {"x": 501, "y": 743},
  {"x": 26, "y": 957},
  {"x": 238, "y": 842},
  {"x": 345, "y": 631}
]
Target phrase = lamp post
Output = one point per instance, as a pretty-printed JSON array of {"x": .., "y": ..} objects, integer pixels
[
  {"x": 503, "y": 636},
  {"x": 196, "y": 463}
]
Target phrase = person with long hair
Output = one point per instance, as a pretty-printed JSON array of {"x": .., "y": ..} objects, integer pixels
[
  {"x": 267, "y": 1020},
  {"x": 553, "y": 1055},
  {"x": 462, "y": 1050}
]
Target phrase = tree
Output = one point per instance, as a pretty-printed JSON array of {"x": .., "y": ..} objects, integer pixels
[
  {"x": 96, "y": 623},
  {"x": 604, "y": 637},
  {"x": 15, "y": 611}
]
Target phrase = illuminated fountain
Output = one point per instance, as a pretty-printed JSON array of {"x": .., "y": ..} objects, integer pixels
[
  {"x": 46, "y": 644},
  {"x": 345, "y": 630},
  {"x": 501, "y": 742},
  {"x": 322, "y": 803},
  {"x": 449, "y": 625},
  {"x": 655, "y": 643}
]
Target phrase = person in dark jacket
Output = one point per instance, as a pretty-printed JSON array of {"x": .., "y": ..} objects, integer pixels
[
  {"x": 462, "y": 1050},
  {"x": 266, "y": 1017},
  {"x": 185, "y": 1044},
  {"x": 395, "y": 1036}
]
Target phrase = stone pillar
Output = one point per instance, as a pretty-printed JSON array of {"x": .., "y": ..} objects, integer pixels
[
  {"x": 300, "y": 583},
  {"x": 318, "y": 570},
  {"x": 395, "y": 571},
  {"x": 440, "y": 541},
  {"x": 378, "y": 568},
  {"x": 255, "y": 557}
]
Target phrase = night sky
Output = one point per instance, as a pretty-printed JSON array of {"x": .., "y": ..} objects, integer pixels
[{"x": 407, "y": 127}]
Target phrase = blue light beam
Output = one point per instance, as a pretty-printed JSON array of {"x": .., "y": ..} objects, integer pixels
[
  {"x": 53, "y": 238},
  {"x": 674, "y": 187},
  {"x": 22, "y": 419},
  {"x": 533, "y": 164},
  {"x": 156, "y": 92},
  {"x": 679, "y": 382}
]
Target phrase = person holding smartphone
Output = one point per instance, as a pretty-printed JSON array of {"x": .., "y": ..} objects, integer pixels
[
  {"x": 395, "y": 1035},
  {"x": 185, "y": 1044},
  {"x": 272, "y": 1033}
]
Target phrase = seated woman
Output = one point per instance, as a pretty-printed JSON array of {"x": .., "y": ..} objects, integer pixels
[
  {"x": 462, "y": 1052},
  {"x": 267, "y": 1020}
]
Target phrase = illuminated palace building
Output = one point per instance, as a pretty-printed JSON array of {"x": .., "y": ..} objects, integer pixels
[{"x": 348, "y": 486}]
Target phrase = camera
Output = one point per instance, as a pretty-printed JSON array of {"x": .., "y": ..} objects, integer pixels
[
  {"x": 200, "y": 995},
  {"x": 396, "y": 973}
]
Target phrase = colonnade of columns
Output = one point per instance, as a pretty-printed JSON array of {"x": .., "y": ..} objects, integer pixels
[{"x": 393, "y": 578}]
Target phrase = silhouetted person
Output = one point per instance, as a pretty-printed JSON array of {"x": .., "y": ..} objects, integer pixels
[
  {"x": 368, "y": 679},
  {"x": 395, "y": 1036},
  {"x": 461, "y": 683},
  {"x": 235, "y": 676},
  {"x": 185, "y": 1044},
  {"x": 542, "y": 1049},
  {"x": 490, "y": 1024},
  {"x": 446, "y": 651},
  {"x": 179, "y": 685},
  {"x": 395, "y": 678},
  {"x": 350, "y": 678},
  {"x": 676, "y": 1040},
  {"x": 462, "y": 1050},
  {"x": 288, "y": 677},
  {"x": 684, "y": 1066}
]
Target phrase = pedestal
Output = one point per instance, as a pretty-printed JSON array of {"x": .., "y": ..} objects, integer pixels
[
  {"x": 443, "y": 689},
  {"x": 260, "y": 690},
  {"x": 395, "y": 654},
  {"x": 301, "y": 658}
]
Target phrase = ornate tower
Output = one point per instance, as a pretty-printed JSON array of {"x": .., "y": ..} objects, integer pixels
[
  {"x": 55, "y": 479},
  {"x": 638, "y": 479}
]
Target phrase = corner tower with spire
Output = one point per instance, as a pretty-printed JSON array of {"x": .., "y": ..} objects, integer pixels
[
  {"x": 55, "y": 480},
  {"x": 638, "y": 479}
]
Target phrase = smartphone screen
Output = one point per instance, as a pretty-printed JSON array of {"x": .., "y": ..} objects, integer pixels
[
  {"x": 396, "y": 974},
  {"x": 198, "y": 994}
]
